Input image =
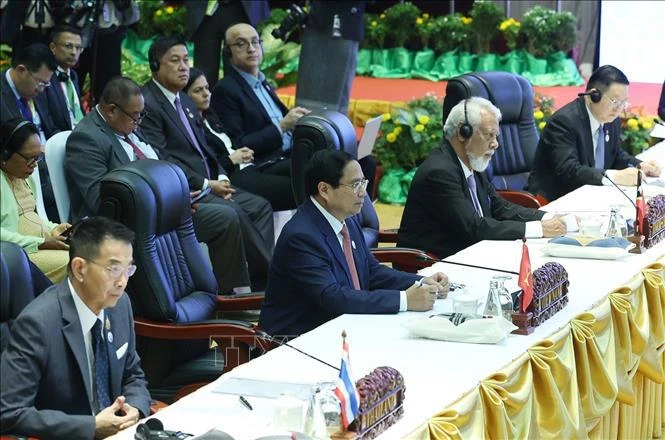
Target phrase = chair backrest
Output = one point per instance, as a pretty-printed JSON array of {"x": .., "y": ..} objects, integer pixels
[
  {"x": 518, "y": 137},
  {"x": 17, "y": 286},
  {"x": 328, "y": 129},
  {"x": 54, "y": 152},
  {"x": 173, "y": 282},
  {"x": 318, "y": 130}
]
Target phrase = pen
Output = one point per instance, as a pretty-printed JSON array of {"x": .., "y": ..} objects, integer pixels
[{"x": 245, "y": 403}]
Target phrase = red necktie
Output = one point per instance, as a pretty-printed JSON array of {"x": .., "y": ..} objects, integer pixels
[
  {"x": 348, "y": 254},
  {"x": 137, "y": 150}
]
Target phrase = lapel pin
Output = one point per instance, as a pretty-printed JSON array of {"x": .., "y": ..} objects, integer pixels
[
  {"x": 108, "y": 324},
  {"x": 109, "y": 336},
  {"x": 607, "y": 137},
  {"x": 353, "y": 244}
]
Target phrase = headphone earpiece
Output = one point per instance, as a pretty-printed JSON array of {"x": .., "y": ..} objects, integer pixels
[
  {"x": 466, "y": 130},
  {"x": 5, "y": 153},
  {"x": 594, "y": 94},
  {"x": 154, "y": 65}
]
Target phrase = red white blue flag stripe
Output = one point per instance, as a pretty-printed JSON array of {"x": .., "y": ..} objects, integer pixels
[{"x": 346, "y": 389}]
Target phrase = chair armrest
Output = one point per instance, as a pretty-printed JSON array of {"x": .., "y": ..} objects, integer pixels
[
  {"x": 523, "y": 198},
  {"x": 388, "y": 235},
  {"x": 196, "y": 330},
  {"x": 406, "y": 259},
  {"x": 237, "y": 302}
]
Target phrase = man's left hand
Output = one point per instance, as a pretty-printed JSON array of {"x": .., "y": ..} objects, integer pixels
[
  {"x": 131, "y": 413},
  {"x": 440, "y": 280},
  {"x": 651, "y": 168}
]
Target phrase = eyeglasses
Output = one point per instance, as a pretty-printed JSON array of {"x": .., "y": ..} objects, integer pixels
[
  {"x": 244, "y": 44},
  {"x": 70, "y": 46},
  {"x": 136, "y": 119},
  {"x": 489, "y": 135},
  {"x": 618, "y": 104},
  {"x": 40, "y": 84},
  {"x": 357, "y": 186},
  {"x": 30, "y": 161},
  {"x": 116, "y": 270}
]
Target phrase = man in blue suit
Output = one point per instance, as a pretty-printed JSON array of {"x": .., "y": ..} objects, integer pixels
[
  {"x": 321, "y": 266},
  {"x": 70, "y": 369}
]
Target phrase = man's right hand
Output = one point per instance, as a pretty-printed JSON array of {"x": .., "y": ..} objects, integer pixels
[
  {"x": 54, "y": 243},
  {"x": 553, "y": 227},
  {"x": 108, "y": 423},
  {"x": 221, "y": 188},
  {"x": 420, "y": 298},
  {"x": 289, "y": 121},
  {"x": 626, "y": 177}
]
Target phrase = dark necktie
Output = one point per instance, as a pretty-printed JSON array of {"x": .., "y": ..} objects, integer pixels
[
  {"x": 101, "y": 366},
  {"x": 471, "y": 180},
  {"x": 24, "y": 107},
  {"x": 137, "y": 150},
  {"x": 190, "y": 134},
  {"x": 348, "y": 255},
  {"x": 600, "y": 149}
]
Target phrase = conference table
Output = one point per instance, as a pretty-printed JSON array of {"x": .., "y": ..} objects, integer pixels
[{"x": 594, "y": 369}]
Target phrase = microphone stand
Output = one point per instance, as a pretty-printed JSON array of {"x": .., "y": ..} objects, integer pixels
[{"x": 637, "y": 238}]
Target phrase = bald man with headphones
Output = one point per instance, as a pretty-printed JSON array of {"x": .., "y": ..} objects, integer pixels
[{"x": 581, "y": 144}]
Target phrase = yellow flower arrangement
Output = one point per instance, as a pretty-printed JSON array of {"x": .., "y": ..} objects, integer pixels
[
  {"x": 541, "y": 125},
  {"x": 425, "y": 15},
  {"x": 511, "y": 30},
  {"x": 169, "y": 9},
  {"x": 636, "y": 126},
  {"x": 423, "y": 119},
  {"x": 419, "y": 127},
  {"x": 385, "y": 117},
  {"x": 159, "y": 13},
  {"x": 419, "y": 21},
  {"x": 538, "y": 115},
  {"x": 391, "y": 137},
  {"x": 374, "y": 24},
  {"x": 382, "y": 16},
  {"x": 397, "y": 130},
  {"x": 467, "y": 20},
  {"x": 543, "y": 108}
]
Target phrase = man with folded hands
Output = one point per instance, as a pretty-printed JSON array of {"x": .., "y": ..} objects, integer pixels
[{"x": 70, "y": 369}]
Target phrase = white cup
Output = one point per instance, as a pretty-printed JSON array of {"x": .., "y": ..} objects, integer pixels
[
  {"x": 289, "y": 414},
  {"x": 590, "y": 227}
]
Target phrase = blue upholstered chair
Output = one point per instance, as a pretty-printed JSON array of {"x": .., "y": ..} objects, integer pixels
[{"x": 518, "y": 137}]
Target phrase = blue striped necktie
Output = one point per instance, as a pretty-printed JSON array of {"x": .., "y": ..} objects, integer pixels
[{"x": 101, "y": 366}]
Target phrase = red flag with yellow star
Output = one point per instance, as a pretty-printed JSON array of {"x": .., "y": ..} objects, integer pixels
[{"x": 525, "y": 278}]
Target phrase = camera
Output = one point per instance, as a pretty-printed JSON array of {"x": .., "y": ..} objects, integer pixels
[{"x": 295, "y": 17}]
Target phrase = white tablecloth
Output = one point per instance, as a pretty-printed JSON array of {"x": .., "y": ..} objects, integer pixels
[{"x": 436, "y": 373}]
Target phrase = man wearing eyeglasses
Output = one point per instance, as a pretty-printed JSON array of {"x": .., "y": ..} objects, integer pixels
[
  {"x": 322, "y": 267},
  {"x": 582, "y": 141},
  {"x": 248, "y": 107},
  {"x": 63, "y": 96},
  {"x": 70, "y": 369}
]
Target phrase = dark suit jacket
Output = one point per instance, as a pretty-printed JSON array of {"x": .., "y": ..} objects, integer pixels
[
  {"x": 256, "y": 10},
  {"x": 57, "y": 102},
  {"x": 45, "y": 387},
  {"x": 243, "y": 115},
  {"x": 166, "y": 134},
  {"x": 350, "y": 14},
  {"x": 221, "y": 153},
  {"x": 564, "y": 157},
  {"x": 309, "y": 281},
  {"x": 439, "y": 216},
  {"x": 11, "y": 110},
  {"x": 93, "y": 150}
]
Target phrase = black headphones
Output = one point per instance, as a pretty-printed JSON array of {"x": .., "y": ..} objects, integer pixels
[
  {"x": 5, "y": 153},
  {"x": 466, "y": 130},
  {"x": 153, "y": 62},
  {"x": 595, "y": 95}
]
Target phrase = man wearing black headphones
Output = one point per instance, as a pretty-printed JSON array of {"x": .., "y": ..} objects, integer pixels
[
  {"x": 452, "y": 205},
  {"x": 581, "y": 144}
]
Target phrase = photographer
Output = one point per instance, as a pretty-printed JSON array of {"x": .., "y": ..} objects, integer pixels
[{"x": 328, "y": 55}]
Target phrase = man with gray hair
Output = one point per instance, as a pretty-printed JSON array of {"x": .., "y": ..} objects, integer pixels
[{"x": 452, "y": 205}]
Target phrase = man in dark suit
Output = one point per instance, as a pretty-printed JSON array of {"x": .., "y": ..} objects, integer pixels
[
  {"x": 451, "y": 203},
  {"x": 71, "y": 369},
  {"x": 248, "y": 107},
  {"x": 322, "y": 266},
  {"x": 328, "y": 56},
  {"x": 64, "y": 96},
  {"x": 582, "y": 142},
  {"x": 208, "y": 21},
  {"x": 21, "y": 96},
  {"x": 106, "y": 139},
  {"x": 174, "y": 127}
]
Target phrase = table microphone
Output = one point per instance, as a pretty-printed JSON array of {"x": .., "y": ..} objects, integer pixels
[
  {"x": 436, "y": 260},
  {"x": 263, "y": 335},
  {"x": 659, "y": 122},
  {"x": 639, "y": 182}
]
